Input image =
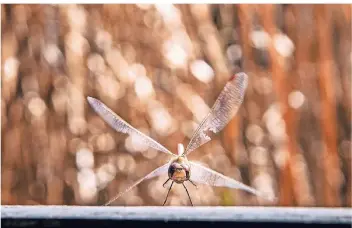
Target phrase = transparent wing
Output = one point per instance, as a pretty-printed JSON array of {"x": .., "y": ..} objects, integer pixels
[
  {"x": 157, "y": 172},
  {"x": 122, "y": 126},
  {"x": 223, "y": 110},
  {"x": 204, "y": 175}
]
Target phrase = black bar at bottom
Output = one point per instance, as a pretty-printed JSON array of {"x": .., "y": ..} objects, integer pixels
[{"x": 154, "y": 223}]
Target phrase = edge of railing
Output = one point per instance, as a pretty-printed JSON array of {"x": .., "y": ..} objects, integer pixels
[{"x": 210, "y": 214}]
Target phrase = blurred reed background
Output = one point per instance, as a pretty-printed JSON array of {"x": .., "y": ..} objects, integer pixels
[{"x": 160, "y": 67}]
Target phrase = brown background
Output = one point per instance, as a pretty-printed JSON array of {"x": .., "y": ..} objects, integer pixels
[{"x": 159, "y": 67}]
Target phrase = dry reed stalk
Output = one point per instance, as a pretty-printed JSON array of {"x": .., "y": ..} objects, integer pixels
[
  {"x": 328, "y": 114},
  {"x": 288, "y": 188}
]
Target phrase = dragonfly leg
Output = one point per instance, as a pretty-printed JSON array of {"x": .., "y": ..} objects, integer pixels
[
  {"x": 193, "y": 184},
  {"x": 187, "y": 194},
  {"x": 166, "y": 182},
  {"x": 168, "y": 193}
]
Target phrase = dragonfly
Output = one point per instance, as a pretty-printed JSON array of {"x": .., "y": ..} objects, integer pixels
[{"x": 179, "y": 168}]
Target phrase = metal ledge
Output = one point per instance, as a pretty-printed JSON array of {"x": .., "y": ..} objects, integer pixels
[{"x": 13, "y": 215}]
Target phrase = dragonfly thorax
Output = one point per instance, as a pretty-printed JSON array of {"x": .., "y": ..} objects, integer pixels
[{"x": 179, "y": 169}]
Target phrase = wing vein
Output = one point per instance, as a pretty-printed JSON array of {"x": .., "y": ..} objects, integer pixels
[
  {"x": 224, "y": 108},
  {"x": 204, "y": 175},
  {"x": 157, "y": 172},
  {"x": 122, "y": 126}
]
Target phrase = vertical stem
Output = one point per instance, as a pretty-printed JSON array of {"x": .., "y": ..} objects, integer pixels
[
  {"x": 328, "y": 113},
  {"x": 281, "y": 87}
]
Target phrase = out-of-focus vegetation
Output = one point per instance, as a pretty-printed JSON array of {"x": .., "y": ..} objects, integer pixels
[{"x": 160, "y": 67}]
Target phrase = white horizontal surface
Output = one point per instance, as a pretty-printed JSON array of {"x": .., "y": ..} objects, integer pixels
[{"x": 239, "y": 214}]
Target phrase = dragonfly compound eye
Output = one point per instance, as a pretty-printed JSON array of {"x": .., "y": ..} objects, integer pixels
[{"x": 172, "y": 169}]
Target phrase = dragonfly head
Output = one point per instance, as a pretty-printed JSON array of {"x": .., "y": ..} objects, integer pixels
[{"x": 179, "y": 170}]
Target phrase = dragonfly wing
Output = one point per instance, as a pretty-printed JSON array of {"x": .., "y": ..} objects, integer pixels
[
  {"x": 157, "y": 172},
  {"x": 223, "y": 110},
  {"x": 122, "y": 126},
  {"x": 204, "y": 175}
]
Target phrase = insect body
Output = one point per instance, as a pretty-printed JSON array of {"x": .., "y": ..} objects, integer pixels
[{"x": 179, "y": 169}]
